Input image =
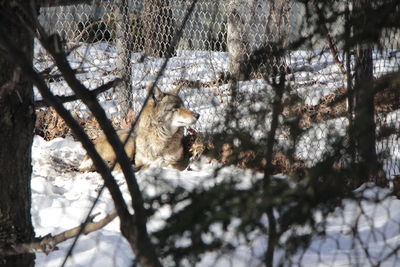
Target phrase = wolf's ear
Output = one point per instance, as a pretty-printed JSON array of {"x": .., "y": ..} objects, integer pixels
[
  {"x": 176, "y": 90},
  {"x": 157, "y": 94}
]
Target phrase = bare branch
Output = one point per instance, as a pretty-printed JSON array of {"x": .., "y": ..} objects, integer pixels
[
  {"x": 49, "y": 243},
  {"x": 334, "y": 53},
  {"x": 279, "y": 88},
  {"x": 70, "y": 98},
  {"x": 133, "y": 228},
  {"x": 91, "y": 102}
]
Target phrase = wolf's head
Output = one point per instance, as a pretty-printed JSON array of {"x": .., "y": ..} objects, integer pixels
[{"x": 169, "y": 110}]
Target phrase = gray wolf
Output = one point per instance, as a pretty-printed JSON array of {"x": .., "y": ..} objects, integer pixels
[{"x": 157, "y": 138}]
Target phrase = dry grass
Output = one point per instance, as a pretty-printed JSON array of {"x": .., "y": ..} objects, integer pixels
[{"x": 50, "y": 125}]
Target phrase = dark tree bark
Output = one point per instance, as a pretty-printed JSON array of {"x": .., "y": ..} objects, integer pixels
[
  {"x": 364, "y": 119},
  {"x": 16, "y": 136},
  {"x": 364, "y": 111},
  {"x": 158, "y": 27}
]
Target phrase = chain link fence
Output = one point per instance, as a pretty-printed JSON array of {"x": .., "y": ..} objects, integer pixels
[
  {"x": 114, "y": 41},
  {"x": 131, "y": 39}
]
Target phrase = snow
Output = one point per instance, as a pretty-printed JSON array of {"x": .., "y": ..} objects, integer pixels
[
  {"x": 61, "y": 197},
  {"x": 61, "y": 200}
]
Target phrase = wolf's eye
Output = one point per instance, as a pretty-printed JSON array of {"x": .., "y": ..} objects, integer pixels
[{"x": 175, "y": 107}]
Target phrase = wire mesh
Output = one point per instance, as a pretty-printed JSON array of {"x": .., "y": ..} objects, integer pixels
[{"x": 129, "y": 39}]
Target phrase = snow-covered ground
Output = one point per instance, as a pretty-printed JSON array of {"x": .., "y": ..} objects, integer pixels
[{"x": 61, "y": 198}]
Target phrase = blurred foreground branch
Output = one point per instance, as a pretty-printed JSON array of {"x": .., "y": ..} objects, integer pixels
[
  {"x": 49, "y": 243},
  {"x": 70, "y": 98}
]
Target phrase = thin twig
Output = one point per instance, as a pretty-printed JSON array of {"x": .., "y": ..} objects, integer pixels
[
  {"x": 334, "y": 53},
  {"x": 49, "y": 243}
]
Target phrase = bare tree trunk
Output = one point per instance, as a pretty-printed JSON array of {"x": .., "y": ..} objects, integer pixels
[
  {"x": 124, "y": 65},
  {"x": 158, "y": 27},
  {"x": 238, "y": 39},
  {"x": 278, "y": 25},
  {"x": 364, "y": 117},
  {"x": 16, "y": 135},
  {"x": 349, "y": 84},
  {"x": 257, "y": 30}
]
